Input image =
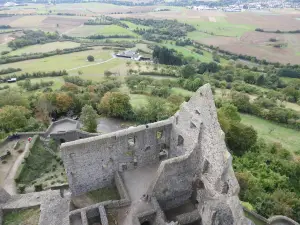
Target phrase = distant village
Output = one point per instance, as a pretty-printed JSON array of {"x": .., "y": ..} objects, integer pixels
[{"x": 240, "y": 6}]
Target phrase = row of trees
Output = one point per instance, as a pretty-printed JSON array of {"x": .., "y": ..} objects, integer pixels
[
  {"x": 9, "y": 70},
  {"x": 39, "y": 74},
  {"x": 10, "y": 59},
  {"x": 31, "y": 37}
]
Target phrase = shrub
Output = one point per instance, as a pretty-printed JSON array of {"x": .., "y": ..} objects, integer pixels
[
  {"x": 90, "y": 58},
  {"x": 21, "y": 188},
  {"x": 38, "y": 187}
]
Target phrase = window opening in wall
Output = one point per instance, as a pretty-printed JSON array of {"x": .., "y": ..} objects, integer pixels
[
  {"x": 197, "y": 112},
  {"x": 180, "y": 140},
  {"x": 147, "y": 148},
  {"x": 176, "y": 120},
  {"x": 192, "y": 125},
  {"x": 124, "y": 167},
  {"x": 62, "y": 140},
  {"x": 131, "y": 141},
  {"x": 146, "y": 223},
  {"x": 159, "y": 134}
]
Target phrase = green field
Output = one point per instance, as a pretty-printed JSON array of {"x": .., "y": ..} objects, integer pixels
[
  {"x": 181, "y": 91},
  {"x": 23, "y": 217},
  {"x": 87, "y": 30},
  {"x": 44, "y": 47},
  {"x": 133, "y": 26},
  {"x": 221, "y": 27},
  {"x": 61, "y": 62},
  {"x": 272, "y": 132},
  {"x": 206, "y": 57}
]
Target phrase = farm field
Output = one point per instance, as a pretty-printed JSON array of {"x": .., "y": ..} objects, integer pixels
[
  {"x": 87, "y": 30},
  {"x": 45, "y": 47},
  {"x": 73, "y": 61},
  {"x": 272, "y": 132}
]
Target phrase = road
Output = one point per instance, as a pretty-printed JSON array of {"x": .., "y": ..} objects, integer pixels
[
  {"x": 79, "y": 67},
  {"x": 9, "y": 182}
]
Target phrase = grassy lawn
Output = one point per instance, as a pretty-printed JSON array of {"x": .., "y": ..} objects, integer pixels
[
  {"x": 137, "y": 100},
  {"x": 41, "y": 167},
  {"x": 45, "y": 47},
  {"x": 104, "y": 194},
  {"x": 181, "y": 91},
  {"x": 23, "y": 217},
  {"x": 87, "y": 30},
  {"x": 95, "y": 72},
  {"x": 60, "y": 62},
  {"x": 289, "y": 138}
]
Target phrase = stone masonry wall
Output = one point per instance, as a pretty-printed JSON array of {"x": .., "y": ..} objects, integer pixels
[
  {"x": 203, "y": 153},
  {"x": 90, "y": 163}
]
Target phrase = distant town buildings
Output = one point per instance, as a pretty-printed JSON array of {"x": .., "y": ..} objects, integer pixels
[{"x": 242, "y": 6}]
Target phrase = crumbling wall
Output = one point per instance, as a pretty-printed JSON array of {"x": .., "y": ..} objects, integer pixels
[
  {"x": 203, "y": 168},
  {"x": 71, "y": 135},
  {"x": 90, "y": 163},
  {"x": 4, "y": 195}
]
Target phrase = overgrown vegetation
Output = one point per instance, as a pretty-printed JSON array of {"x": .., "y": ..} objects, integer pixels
[{"x": 22, "y": 217}]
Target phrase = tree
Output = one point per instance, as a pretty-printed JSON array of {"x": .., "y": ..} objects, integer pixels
[
  {"x": 90, "y": 58},
  {"x": 187, "y": 71},
  {"x": 250, "y": 79},
  {"x": 107, "y": 73},
  {"x": 116, "y": 104},
  {"x": 88, "y": 118},
  {"x": 240, "y": 138},
  {"x": 13, "y": 118},
  {"x": 63, "y": 102}
]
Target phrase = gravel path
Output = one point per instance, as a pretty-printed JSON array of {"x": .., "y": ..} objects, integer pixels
[{"x": 9, "y": 182}]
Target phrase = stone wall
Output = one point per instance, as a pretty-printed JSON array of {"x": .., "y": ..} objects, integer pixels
[
  {"x": 4, "y": 196},
  {"x": 71, "y": 135},
  {"x": 91, "y": 163},
  {"x": 202, "y": 169}
]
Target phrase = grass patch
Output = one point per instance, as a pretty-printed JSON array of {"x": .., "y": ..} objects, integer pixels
[
  {"x": 104, "y": 194},
  {"x": 41, "y": 167},
  {"x": 87, "y": 30},
  {"x": 45, "y": 47},
  {"x": 23, "y": 217},
  {"x": 187, "y": 52},
  {"x": 60, "y": 62},
  {"x": 272, "y": 132},
  {"x": 38, "y": 161},
  {"x": 181, "y": 91},
  {"x": 221, "y": 27},
  {"x": 137, "y": 100}
]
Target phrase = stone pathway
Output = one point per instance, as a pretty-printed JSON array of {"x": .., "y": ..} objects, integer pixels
[{"x": 9, "y": 182}]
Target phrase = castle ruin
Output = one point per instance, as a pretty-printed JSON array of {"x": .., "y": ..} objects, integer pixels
[{"x": 175, "y": 171}]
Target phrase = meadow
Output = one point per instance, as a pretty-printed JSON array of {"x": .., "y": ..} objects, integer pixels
[
  {"x": 272, "y": 132},
  {"x": 88, "y": 30},
  {"x": 72, "y": 62},
  {"x": 44, "y": 48}
]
